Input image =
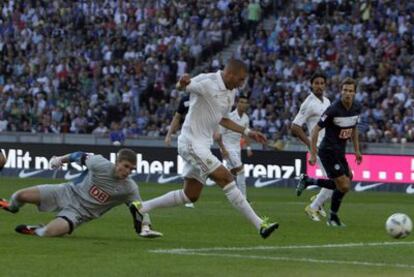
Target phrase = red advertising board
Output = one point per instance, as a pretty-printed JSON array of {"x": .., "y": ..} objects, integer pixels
[{"x": 376, "y": 168}]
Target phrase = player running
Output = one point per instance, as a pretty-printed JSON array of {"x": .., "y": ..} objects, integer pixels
[
  {"x": 178, "y": 118},
  {"x": 229, "y": 142},
  {"x": 211, "y": 98},
  {"x": 309, "y": 113},
  {"x": 101, "y": 187},
  {"x": 340, "y": 121}
]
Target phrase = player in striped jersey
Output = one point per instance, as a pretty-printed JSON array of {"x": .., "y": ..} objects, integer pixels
[{"x": 340, "y": 121}]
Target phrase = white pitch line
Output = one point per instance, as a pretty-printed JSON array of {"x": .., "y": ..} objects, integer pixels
[
  {"x": 212, "y": 252},
  {"x": 315, "y": 246},
  {"x": 288, "y": 259}
]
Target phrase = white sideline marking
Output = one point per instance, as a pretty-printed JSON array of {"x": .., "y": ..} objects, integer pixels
[
  {"x": 213, "y": 252},
  {"x": 314, "y": 246},
  {"x": 288, "y": 259}
]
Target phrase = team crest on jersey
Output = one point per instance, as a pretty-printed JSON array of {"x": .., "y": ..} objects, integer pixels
[
  {"x": 209, "y": 162},
  {"x": 98, "y": 194},
  {"x": 337, "y": 166}
]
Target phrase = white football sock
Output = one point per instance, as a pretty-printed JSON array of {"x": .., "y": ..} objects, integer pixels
[
  {"x": 145, "y": 227},
  {"x": 146, "y": 219},
  {"x": 321, "y": 198},
  {"x": 14, "y": 204},
  {"x": 241, "y": 182},
  {"x": 40, "y": 231},
  {"x": 170, "y": 199},
  {"x": 238, "y": 201}
]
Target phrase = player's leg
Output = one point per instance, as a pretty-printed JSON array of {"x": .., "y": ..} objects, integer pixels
[
  {"x": 55, "y": 228},
  {"x": 236, "y": 168},
  {"x": 319, "y": 199},
  {"x": 324, "y": 194},
  {"x": 52, "y": 198},
  {"x": 190, "y": 193},
  {"x": 343, "y": 185},
  {"x": 65, "y": 222},
  {"x": 21, "y": 197},
  {"x": 146, "y": 229},
  {"x": 171, "y": 199},
  {"x": 305, "y": 181},
  {"x": 238, "y": 172},
  {"x": 224, "y": 179},
  {"x": 192, "y": 189},
  {"x": 193, "y": 181},
  {"x": 326, "y": 158}
]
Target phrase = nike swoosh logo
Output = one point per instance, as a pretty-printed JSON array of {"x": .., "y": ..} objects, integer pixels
[
  {"x": 70, "y": 176},
  {"x": 359, "y": 187},
  {"x": 24, "y": 174},
  {"x": 259, "y": 183},
  {"x": 163, "y": 180},
  {"x": 410, "y": 189}
]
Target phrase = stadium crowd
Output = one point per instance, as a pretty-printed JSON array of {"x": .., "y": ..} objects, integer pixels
[
  {"x": 371, "y": 42},
  {"x": 88, "y": 67}
]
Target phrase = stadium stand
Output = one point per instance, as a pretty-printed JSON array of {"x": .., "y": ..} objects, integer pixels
[
  {"x": 371, "y": 42},
  {"x": 103, "y": 66}
]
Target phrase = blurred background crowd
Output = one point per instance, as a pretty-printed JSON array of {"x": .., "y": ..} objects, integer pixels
[{"x": 109, "y": 67}]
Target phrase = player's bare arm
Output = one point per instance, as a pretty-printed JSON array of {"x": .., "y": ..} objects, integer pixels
[
  {"x": 298, "y": 132},
  {"x": 314, "y": 141},
  {"x": 248, "y": 147},
  {"x": 57, "y": 161},
  {"x": 230, "y": 124},
  {"x": 219, "y": 139},
  {"x": 355, "y": 141},
  {"x": 175, "y": 123}
]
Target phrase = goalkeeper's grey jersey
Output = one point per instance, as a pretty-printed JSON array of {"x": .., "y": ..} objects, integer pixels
[{"x": 98, "y": 190}]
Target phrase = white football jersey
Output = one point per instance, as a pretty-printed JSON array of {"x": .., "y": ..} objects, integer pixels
[
  {"x": 231, "y": 139},
  {"x": 210, "y": 101},
  {"x": 310, "y": 112}
]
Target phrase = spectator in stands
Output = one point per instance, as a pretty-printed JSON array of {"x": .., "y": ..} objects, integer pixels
[
  {"x": 79, "y": 63},
  {"x": 116, "y": 136},
  {"x": 101, "y": 130}
]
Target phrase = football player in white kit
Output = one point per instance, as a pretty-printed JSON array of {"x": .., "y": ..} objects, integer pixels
[
  {"x": 178, "y": 118},
  {"x": 211, "y": 98},
  {"x": 229, "y": 142},
  {"x": 309, "y": 113}
]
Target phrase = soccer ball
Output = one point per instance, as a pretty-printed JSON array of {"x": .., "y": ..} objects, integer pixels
[{"x": 399, "y": 225}]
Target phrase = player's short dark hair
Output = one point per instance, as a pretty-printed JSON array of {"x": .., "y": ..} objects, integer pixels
[
  {"x": 126, "y": 154},
  {"x": 236, "y": 65},
  {"x": 317, "y": 74},
  {"x": 349, "y": 81}
]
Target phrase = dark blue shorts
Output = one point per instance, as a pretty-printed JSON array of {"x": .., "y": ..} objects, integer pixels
[{"x": 334, "y": 163}]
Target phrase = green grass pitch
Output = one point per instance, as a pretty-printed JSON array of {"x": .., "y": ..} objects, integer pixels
[{"x": 214, "y": 240}]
